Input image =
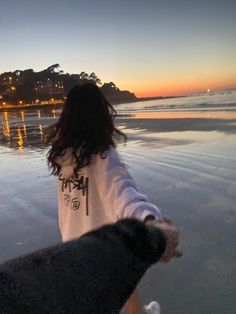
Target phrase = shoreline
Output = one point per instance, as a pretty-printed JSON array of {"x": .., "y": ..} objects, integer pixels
[{"x": 60, "y": 105}]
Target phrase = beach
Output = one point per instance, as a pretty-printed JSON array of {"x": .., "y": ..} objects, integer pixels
[{"x": 184, "y": 160}]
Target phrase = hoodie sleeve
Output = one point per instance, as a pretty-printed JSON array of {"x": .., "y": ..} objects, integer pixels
[{"x": 118, "y": 190}]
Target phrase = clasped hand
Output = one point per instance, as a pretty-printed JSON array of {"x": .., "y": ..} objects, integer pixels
[{"x": 172, "y": 238}]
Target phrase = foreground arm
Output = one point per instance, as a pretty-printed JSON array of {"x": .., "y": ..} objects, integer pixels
[
  {"x": 133, "y": 305},
  {"x": 94, "y": 274}
]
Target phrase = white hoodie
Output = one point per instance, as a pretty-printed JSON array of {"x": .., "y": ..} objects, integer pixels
[{"x": 101, "y": 193}]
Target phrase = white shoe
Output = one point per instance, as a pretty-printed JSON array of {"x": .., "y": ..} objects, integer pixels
[{"x": 153, "y": 308}]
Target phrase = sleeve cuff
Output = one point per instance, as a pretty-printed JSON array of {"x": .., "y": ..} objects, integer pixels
[{"x": 142, "y": 214}]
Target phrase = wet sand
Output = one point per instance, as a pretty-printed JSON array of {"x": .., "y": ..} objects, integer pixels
[
  {"x": 187, "y": 166},
  {"x": 191, "y": 176}
]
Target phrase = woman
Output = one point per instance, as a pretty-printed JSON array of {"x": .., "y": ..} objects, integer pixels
[{"x": 94, "y": 186}]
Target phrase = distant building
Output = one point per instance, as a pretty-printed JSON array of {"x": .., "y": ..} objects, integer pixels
[{"x": 48, "y": 88}]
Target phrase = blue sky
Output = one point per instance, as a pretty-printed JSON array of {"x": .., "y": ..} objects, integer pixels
[{"x": 149, "y": 47}]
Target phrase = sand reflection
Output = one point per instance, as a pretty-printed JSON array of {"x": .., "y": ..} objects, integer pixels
[
  {"x": 20, "y": 141},
  {"x": 22, "y": 116},
  {"x": 182, "y": 115},
  {"x": 25, "y": 130},
  {"x": 7, "y": 130}
]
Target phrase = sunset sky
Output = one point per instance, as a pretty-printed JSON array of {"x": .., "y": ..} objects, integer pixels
[{"x": 149, "y": 47}]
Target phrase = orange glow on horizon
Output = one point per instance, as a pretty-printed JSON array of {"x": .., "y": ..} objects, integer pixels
[
  {"x": 181, "y": 89},
  {"x": 178, "y": 84}
]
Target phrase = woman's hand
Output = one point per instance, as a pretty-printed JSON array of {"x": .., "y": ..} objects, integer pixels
[{"x": 172, "y": 238}]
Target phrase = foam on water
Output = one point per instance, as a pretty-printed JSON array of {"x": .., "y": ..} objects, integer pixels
[{"x": 200, "y": 102}]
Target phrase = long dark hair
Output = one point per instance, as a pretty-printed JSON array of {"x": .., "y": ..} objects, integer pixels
[{"x": 86, "y": 126}]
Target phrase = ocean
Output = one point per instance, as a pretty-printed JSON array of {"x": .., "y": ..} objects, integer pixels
[{"x": 217, "y": 101}]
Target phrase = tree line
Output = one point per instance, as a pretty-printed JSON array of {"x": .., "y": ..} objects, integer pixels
[{"x": 28, "y": 86}]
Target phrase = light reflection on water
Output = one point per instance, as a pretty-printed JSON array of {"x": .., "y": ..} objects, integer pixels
[
  {"x": 20, "y": 141},
  {"x": 25, "y": 129}
]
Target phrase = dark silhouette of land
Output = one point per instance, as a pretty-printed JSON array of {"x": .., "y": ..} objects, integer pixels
[
  {"x": 27, "y": 88},
  {"x": 51, "y": 86}
]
